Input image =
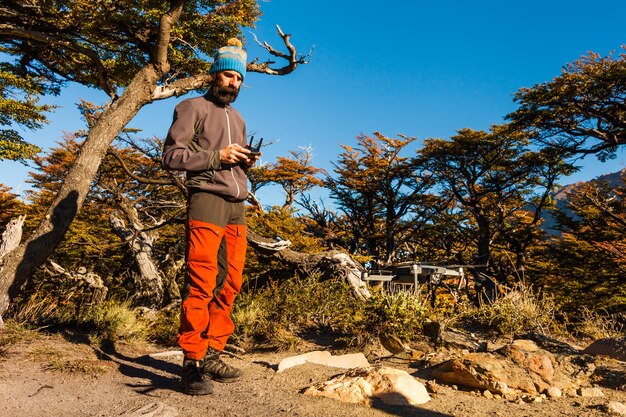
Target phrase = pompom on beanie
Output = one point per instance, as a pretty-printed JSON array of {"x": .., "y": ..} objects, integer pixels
[{"x": 230, "y": 58}]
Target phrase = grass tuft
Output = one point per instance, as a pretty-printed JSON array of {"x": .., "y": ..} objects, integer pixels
[
  {"x": 116, "y": 321},
  {"x": 15, "y": 332},
  {"x": 593, "y": 325},
  {"x": 517, "y": 311},
  {"x": 60, "y": 361}
]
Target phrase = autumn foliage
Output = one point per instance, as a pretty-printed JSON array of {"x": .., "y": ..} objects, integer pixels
[{"x": 477, "y": 199}]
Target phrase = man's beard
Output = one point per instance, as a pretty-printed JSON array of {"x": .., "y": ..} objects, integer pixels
[{"x": 224, "y": 94}]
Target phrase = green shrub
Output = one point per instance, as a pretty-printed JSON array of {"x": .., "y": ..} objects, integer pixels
[
  {"x": 115, "y": 321},
  {"x": 399, "y": 314},
  {"x": 48, "y": 308},
  {"x": 280, "y": 311},
  {"x": 271, "y": 313},
  {"x": 163, "y": 326}
]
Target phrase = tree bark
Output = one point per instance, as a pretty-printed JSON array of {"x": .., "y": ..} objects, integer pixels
[
  {"x": 11, "y": 236},
  {"x": 149, "y": 283},
  {"x": 484, "y": 285},
  {"x": 10, "y": 240},
  {"x": 171, "y": 271},
  {"x": 25, "y": 259}
]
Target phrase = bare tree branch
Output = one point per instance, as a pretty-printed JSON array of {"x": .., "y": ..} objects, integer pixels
[
  {"x": 142, "y": 180},
  {"x": 198, "y": 81},
  {"x": 292, "y": 58},
  {"x": 181, "y": 87}
]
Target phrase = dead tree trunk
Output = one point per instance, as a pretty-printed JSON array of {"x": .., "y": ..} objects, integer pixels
[
  {"x": 11, "y": 238},
  {"x": 332, "y": 263},
  {"x": 149, "y": 282},
  {"x": 26, "y": 258},
  {"x": 170, "y": 272}
]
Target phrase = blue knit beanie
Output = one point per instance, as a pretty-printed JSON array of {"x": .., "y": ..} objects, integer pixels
[{"x": 230, "y": 58}]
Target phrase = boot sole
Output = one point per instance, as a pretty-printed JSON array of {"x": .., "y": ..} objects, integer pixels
[
  {"x": 197, "y": 392},
  {"x": 227, "y": 380}
]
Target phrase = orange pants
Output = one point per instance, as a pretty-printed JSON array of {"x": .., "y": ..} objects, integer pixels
[{"x": 215, "y": 260}]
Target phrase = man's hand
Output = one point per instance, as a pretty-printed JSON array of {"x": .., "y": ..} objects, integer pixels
[{"x": 234, "y": 153}]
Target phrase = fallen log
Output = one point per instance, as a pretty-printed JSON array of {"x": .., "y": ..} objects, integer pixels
[
  {"x": 333, "y": 263},
  {"x": 81, "y": 277}
]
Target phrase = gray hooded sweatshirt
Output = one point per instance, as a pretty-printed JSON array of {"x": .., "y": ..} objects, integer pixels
[{"x": 199, "y": 130}]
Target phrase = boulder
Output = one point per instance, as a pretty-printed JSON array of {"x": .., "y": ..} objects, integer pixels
[
  {"x": 539, "y": 363},
  {"x": 457, "y": 339},
  {"x": 484, "y": 371},
  {"x": 613, "y": 348},
  {"x": 550, "y": 344},
  {"x": 363, "y": 385},
  {"x": 521, "y": 365}
]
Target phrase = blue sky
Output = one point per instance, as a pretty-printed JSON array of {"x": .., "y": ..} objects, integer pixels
[{"x": 422, "y": 69}]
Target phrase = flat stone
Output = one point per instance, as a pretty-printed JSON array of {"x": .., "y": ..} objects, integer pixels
[
  {"x": 166, "y": 354},
  {"x": 312, "y": 357},
  {"x": 347, "y": 361},
  {"x": 615, "y": 407},
  {"x": 590, "y": 392}
]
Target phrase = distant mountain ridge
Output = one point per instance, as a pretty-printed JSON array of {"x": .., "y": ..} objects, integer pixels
[
  {"x": 614, "y": 179},
  {"x": 562, "y": 197}
]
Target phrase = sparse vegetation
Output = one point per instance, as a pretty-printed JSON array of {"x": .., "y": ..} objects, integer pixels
[
  {"x": 518, "y": 311},
  {"x": 593, "y": 325},
  {"x": 61, "y": 361},
  {"x": 14, "y": 332},
  {"x": 294, "y": 306},
  {"x": 399, "y": 314},
  {"x": 304, "y": 306},
  {"x": 284, "y": 314},
  {"x": 117, "y": 321}
]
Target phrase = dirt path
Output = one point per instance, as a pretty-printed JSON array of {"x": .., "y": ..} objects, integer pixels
[{"x": 53, "y": 377}]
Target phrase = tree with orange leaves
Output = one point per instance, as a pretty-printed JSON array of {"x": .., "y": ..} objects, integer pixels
[{"x": 134, "y": 52}]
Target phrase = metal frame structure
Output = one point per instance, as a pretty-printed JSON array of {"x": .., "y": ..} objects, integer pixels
[{"x": 418, "y": 275}]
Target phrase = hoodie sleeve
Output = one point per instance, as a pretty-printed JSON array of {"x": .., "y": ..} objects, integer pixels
[{"x": 180, "y": 151}]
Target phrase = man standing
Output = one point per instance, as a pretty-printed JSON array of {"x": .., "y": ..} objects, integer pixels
[{"x": 207, "y": 139}]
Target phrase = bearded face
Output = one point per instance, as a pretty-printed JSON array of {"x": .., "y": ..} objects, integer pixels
[{"x": 224, "y": 94}]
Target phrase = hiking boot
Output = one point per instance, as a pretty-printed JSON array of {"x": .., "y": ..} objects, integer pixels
[
  {"x": 194, "y": 380},
  {"x": 219, "y": 370}
]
